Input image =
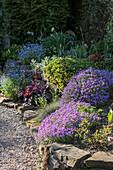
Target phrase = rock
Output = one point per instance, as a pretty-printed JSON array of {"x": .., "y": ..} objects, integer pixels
[
  {"x": 22, "y": 109},
  {"x": 28, "y": 114},
  {"x": 3, "y": 99},
  {"x": 69, "y": 154},
  {"x": 100, "y": 160},
  {"x": 42, "y": 149},
  {"x": 8, "y": 104},
  {"x": 53, "y": 162}
]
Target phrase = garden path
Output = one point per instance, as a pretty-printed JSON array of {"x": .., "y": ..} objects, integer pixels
[{"x": 18, "y": 150}]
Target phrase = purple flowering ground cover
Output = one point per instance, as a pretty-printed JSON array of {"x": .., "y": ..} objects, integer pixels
[
  {"x": 64, "y": 125},
  {"x": 91, "y": 86},
  {"x": 78, "y": 118}
]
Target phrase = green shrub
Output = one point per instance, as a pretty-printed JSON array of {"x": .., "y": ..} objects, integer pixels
[
  {"x": 11, "y": 52},
  {"x": 9, "y": 88},
  {"x": 99, "y": 139},
  {"x": 103, "y": 47},
  {"x": 57, "y": 43},
  {"x": 61, "y": 70}
]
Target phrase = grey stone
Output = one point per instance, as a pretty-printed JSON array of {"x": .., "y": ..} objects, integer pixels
[
  {"x": 69, "y": 154},
  {"x": 3, "y": 99},
  {"x": 53, "y": 162},
  {"x": 100, "y": 160},
  {"x": 8, "y": 104},
  {"x": 22, "y": 109},
  {"x": 28, "y": 114},
  {"x": 6, "y": 40}
]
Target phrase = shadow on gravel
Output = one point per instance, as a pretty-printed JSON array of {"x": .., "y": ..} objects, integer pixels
[{"x": 4, "y": 145}]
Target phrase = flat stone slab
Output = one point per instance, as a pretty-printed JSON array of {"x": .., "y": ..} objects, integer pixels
[
  {"x": 69, "y": 154},
  {"x": 3, "y": 99},
  {"x": 22, "y": 109},
  {"x": 28, "y": 114},
  {"x": 100, "y": 160},
  {"x": 8, "y": 104}
]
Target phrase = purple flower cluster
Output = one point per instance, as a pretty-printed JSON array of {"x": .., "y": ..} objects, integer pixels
[
  {"x": 31, "y": 51},
  {"x": 64, "y": 122},
  {"x": 89, "y": 86}
]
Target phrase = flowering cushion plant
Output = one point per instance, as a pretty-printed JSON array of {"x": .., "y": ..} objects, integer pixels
[
  {"x": 67, "y": 123},
  {"x": 88, "y": 86}
]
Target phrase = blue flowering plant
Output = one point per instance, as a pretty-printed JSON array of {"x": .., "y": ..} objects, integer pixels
[
  {"x": 12, "y": 81},
  {"x": 90, "y": 85},
  {"x": 68, "y": 123},
  {"x": 29, "y": 52}
]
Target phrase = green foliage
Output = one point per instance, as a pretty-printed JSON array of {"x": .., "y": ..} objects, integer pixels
[
  {"x": 42, "y": 113},
  {"x": 89, "y": 109},
  {"x": 61, "y": 70},
  {"x": 95, "y": 15},
  {"x": 100, "y": 138},
  {"x": 110, "y": 116},
  {"x": 57, "y": 43},
  {"x": 11, "y": 52},
  {"x": 34, "y": 16},
  {"x": 41, "y": 66},
  {"x": 1, "y": 29},
  {"x": 9, "y": 88},
  {"x": 103, "y": 47},
  {"x": 42, "y": 101}
]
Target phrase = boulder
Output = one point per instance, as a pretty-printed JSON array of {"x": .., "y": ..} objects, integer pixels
[
  {"x": 100, "y": 160},
  {"x": 69, "y": 154}
]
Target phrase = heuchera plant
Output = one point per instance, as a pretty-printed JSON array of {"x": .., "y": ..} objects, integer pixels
[
  {"x": 67, "y": 123},
  {"x": 34, "y": 91},
  {"x": 89, "y": 86},
  {"x": 97, "y": 59}
]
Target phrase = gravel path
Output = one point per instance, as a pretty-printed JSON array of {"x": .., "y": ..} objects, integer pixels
[{"x": 18, "y": 150}]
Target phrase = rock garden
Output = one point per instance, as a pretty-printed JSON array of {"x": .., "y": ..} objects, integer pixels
[
  {"x": 56, "y": 101},
  {"x": 66, "y": 102}
]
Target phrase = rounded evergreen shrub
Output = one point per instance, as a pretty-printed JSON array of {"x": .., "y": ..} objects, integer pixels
[
  {"x": 60, "y": 70},
  {"x": 67, "y": 123},
  {"x": 90, "y": 86}
]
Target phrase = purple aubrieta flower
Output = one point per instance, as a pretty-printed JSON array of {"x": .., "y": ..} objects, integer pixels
[
  {"x": 88, "y": 85},
  {"x": 64, "y": 122}
]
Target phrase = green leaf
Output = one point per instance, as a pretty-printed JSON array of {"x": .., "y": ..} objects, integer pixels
[{"x": 110, "y": 115}]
